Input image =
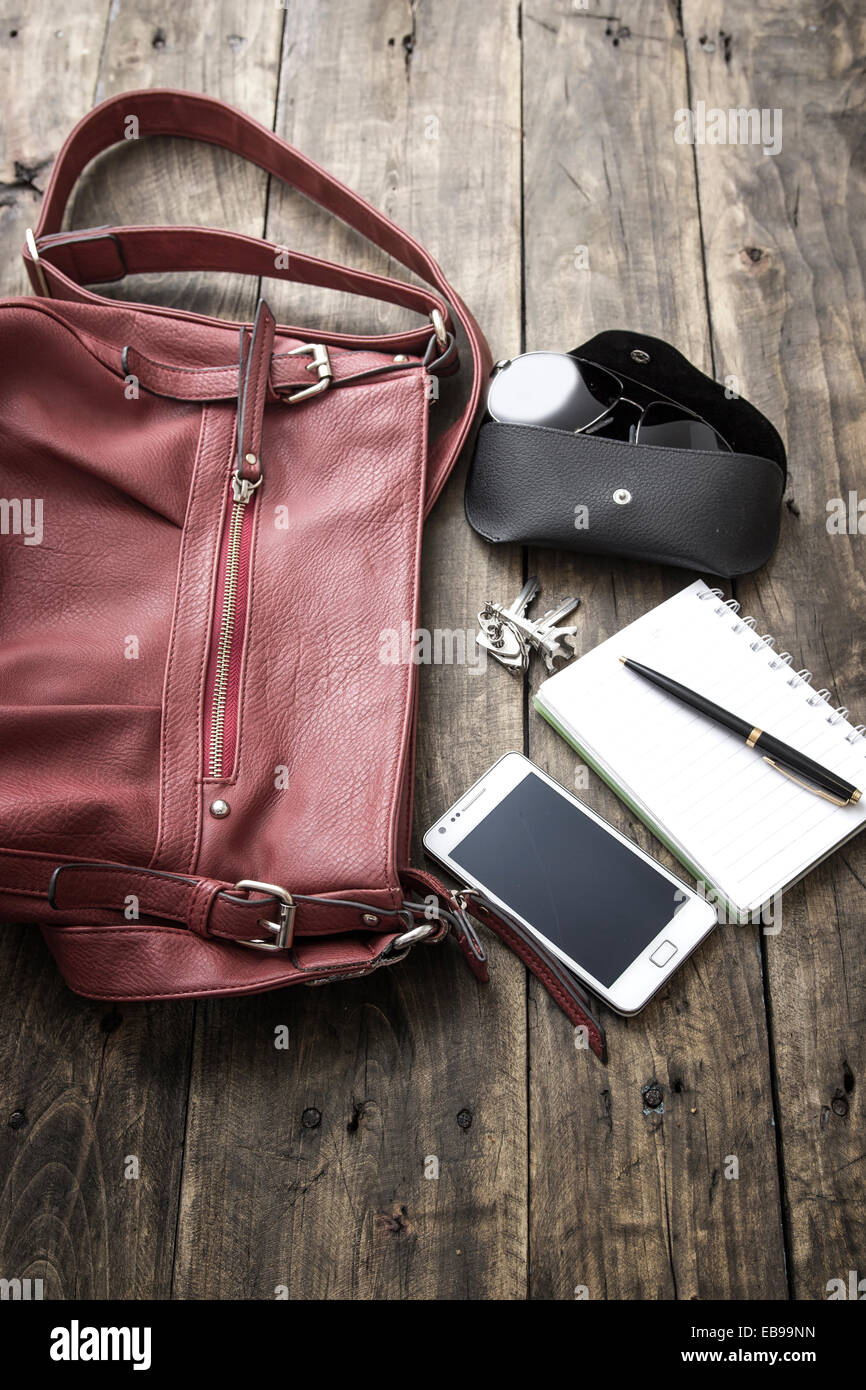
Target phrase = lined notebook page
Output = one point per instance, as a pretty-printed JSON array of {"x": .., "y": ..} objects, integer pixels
[{"x": 750, "y": 831}]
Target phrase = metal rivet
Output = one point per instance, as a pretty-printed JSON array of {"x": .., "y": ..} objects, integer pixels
[
  {"x": 638, "y": 355},
  {"x": 250, "y": 459},
  {"x": 370, "y": 919},
  {"x": 622, "y": 497},
  {"x": 401, "y": 357},
  {"x": 220, "y": 809}
]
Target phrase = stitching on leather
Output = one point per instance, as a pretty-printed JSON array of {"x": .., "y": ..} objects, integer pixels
[
  {"x": 158, "y": 907},
  {"x": 202, "y": 897},
  {"x": 260, "y": 368},
  {"x": 226, "y": 368},
  {"x": 213, "y": 591},
  {"x": 158, "y": 895},
  {"x": 267, "y": 980},
  {"x": 385, "y": 342},
  {"x": 338, "y": 355},
  {"x": 202, "y": 780},
  {"x": 229, "y": 368},
  {"x": 372, "y": 954},
  {"x": 410, "y": 695},
  {"x": 232, "y": 779},
  {"x": 566, "y": 1001},
  {"x": 186, "y": 545}
]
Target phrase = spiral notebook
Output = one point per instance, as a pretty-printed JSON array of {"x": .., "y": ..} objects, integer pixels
[{"x": 736, "y": 824}]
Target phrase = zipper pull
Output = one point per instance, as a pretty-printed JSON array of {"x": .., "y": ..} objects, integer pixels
[{"x": 243, "y": 488}]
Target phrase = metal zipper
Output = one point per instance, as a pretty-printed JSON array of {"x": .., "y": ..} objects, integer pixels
[{"x": 243, "y": 491}]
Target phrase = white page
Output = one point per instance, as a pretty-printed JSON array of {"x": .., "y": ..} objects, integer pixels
[{"x": 751, "y": 831}]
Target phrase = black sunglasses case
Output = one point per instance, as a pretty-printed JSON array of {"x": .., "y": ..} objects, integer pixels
[{"x": 717, "y": 512}]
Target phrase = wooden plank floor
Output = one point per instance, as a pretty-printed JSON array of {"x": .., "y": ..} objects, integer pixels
[{"x": 530, "y": 147}]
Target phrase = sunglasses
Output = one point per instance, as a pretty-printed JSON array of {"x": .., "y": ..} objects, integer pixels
[{"x": 564, "y": 392}]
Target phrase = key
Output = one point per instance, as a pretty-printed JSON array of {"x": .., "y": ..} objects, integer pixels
[
  {"x": 498, "y": 636},
  {"x": 546, "y": 636},
  {"x": 530, "y": 591},
  {"x": 509, "y": 635},
  {"x": 553, "y": 617}
]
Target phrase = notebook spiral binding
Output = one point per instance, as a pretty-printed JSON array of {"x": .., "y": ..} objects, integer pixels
[{"x": 731, "y": 607}]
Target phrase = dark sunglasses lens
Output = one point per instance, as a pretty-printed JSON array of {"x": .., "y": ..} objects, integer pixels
[
  {"x": 673, "y": 427},
  {"x": 552, "y": 389}
]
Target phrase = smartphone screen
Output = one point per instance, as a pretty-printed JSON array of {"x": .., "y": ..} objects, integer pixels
[{"x": 569, "y": 877}]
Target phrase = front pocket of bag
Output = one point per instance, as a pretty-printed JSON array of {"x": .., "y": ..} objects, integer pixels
[
  {"x": 223, "y": 676},
  {"x": 81, "y": 780}
]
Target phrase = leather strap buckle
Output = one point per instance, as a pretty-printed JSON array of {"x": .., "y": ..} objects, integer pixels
[
  {"x": 283, "y": 931},
  {"x": 321, "y": 363}
]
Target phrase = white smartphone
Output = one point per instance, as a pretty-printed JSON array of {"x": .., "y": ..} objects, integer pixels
[{"x": 618, "y": 920}]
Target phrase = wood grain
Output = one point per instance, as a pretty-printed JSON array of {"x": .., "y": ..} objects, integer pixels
[
  {"x": 786, "y": 256},
  {"x": 228, "y": 49},
  {"x": 49, "y": 65},
  {"x": 631, "y": 1201},
  {"x": 530, "y": 147}
]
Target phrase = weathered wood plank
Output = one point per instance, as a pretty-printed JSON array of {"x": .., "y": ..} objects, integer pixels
[
  {"x": 230, "y": 51},
  {"x": 89, "y": 1088},
  {"x": 47, "y": 1114},
  {"x": 328, "y": 1139},
  {"x": 628, "y": 1201},
  {"x": 305, "y": 1168},
  {"x": 786, "y": 257},
  {"x": 49, "y": 61}
]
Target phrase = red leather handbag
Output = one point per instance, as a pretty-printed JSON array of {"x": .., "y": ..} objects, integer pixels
[{"x": 205, "y": 787}]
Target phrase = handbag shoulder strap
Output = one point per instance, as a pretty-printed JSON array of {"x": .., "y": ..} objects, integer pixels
[{"x": 112, "y": 252}]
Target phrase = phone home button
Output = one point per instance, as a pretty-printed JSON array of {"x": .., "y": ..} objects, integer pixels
[{"x": 662, "y": 954}]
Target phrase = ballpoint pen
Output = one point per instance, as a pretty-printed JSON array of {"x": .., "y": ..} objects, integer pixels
[{"x": 779, "y": 755}]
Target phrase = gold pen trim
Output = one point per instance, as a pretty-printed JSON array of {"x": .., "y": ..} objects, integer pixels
[
  {"x": 753, "y": 739},
  {"x": 836, "y": 801}
]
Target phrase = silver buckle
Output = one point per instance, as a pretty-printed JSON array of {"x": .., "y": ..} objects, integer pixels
[
  {"x": 321, "y": 363},
  {"x": 284, "y": 929}
]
